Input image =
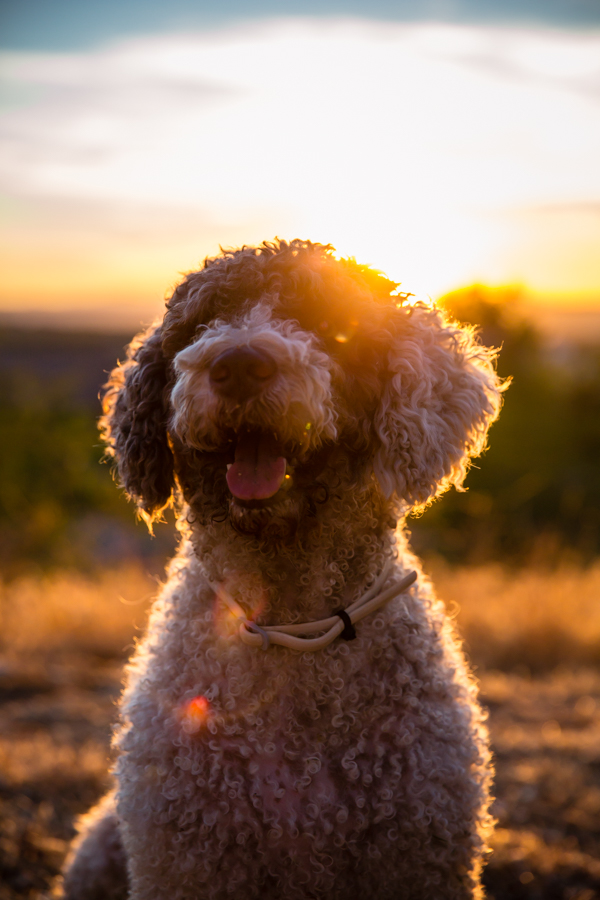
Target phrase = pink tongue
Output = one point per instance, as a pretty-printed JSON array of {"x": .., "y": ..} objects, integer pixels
[{"x": 258, "y": 470}]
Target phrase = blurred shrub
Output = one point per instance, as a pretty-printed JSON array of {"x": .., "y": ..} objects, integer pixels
[{"x": 59, "y": 506}]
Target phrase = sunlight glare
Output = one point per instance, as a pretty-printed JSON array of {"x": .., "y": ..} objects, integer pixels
[{"x": 403, "y": 145}]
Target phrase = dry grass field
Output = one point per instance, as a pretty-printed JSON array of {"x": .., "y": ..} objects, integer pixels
[{"x": 533, "y": 637}]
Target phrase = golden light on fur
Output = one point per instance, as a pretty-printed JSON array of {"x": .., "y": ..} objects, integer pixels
[{"x": 364, "y": 762}]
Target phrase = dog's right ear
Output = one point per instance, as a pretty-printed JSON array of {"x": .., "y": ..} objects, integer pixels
[{"x": 134, "y": 424}]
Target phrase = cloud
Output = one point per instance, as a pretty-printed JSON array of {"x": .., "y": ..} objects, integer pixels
[
  {"x": 73, "y": 25},
  {"x": 402, "y": 143}
]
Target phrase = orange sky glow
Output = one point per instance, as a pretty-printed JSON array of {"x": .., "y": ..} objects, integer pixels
[{"x": 442, "y": 154}]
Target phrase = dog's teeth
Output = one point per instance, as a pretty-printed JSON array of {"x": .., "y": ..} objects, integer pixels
[{"x": 229, "y": 465}]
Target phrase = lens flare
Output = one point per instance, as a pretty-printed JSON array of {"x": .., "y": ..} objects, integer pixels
[{"x": 195, "y": 713}]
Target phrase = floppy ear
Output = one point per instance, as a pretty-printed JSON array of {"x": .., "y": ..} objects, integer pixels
[
  {"x": 134, "y": 424},
  {"x": 440, "y": 397}
]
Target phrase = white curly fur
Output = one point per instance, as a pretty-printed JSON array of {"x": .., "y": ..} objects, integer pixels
[{"x": 361, "y": 770}]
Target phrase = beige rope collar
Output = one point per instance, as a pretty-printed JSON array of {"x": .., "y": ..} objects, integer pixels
[{"x": 288, "y": 635}]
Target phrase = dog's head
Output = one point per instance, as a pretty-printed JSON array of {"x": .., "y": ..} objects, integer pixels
[{"x": 278, "y": 369}]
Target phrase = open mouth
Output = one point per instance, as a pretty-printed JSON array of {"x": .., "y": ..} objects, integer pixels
[{"x": 258, "y": 469}]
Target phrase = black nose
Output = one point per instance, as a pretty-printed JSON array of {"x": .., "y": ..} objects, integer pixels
[{"x": 242, "y": 372}]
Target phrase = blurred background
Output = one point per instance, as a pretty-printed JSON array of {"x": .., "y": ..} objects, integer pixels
[{"x": 453, "y": 144}]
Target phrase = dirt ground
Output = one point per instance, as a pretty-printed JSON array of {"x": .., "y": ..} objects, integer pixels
[{"x": 54, "y": 752}]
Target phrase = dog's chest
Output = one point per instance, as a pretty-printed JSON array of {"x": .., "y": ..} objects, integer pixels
[
  {"x": 287, "y": 737},
  {"x": 245, "y": 755}
]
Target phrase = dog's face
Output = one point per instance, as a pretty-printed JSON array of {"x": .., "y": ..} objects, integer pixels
[
  {"x": 257, "y": 393},
  {"x": 280, "y": 369},
  {"x": 257, "y": 387}
]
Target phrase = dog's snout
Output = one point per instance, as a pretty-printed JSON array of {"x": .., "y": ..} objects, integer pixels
[{"x": 242, "y": 371}]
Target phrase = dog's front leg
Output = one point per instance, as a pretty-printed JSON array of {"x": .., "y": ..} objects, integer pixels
[{"x": 96, "y": 867}]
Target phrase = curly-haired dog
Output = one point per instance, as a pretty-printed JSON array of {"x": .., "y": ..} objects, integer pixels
[{"x": 295, "y": 406}]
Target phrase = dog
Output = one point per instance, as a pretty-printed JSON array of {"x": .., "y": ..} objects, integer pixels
[{"x": 299, "y": 720}]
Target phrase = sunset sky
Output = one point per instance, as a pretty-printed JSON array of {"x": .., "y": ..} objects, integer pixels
[{"x": 444, "y": 143}]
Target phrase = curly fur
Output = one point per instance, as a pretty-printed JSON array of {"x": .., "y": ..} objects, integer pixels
[
  {"x": 301, "y": 395},
  {"x": 359, "y": 770}
]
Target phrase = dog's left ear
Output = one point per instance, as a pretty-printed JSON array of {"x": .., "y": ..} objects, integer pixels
[
  {"x": 440, "y": 396},
  {"x": 134, "y": 425}
]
